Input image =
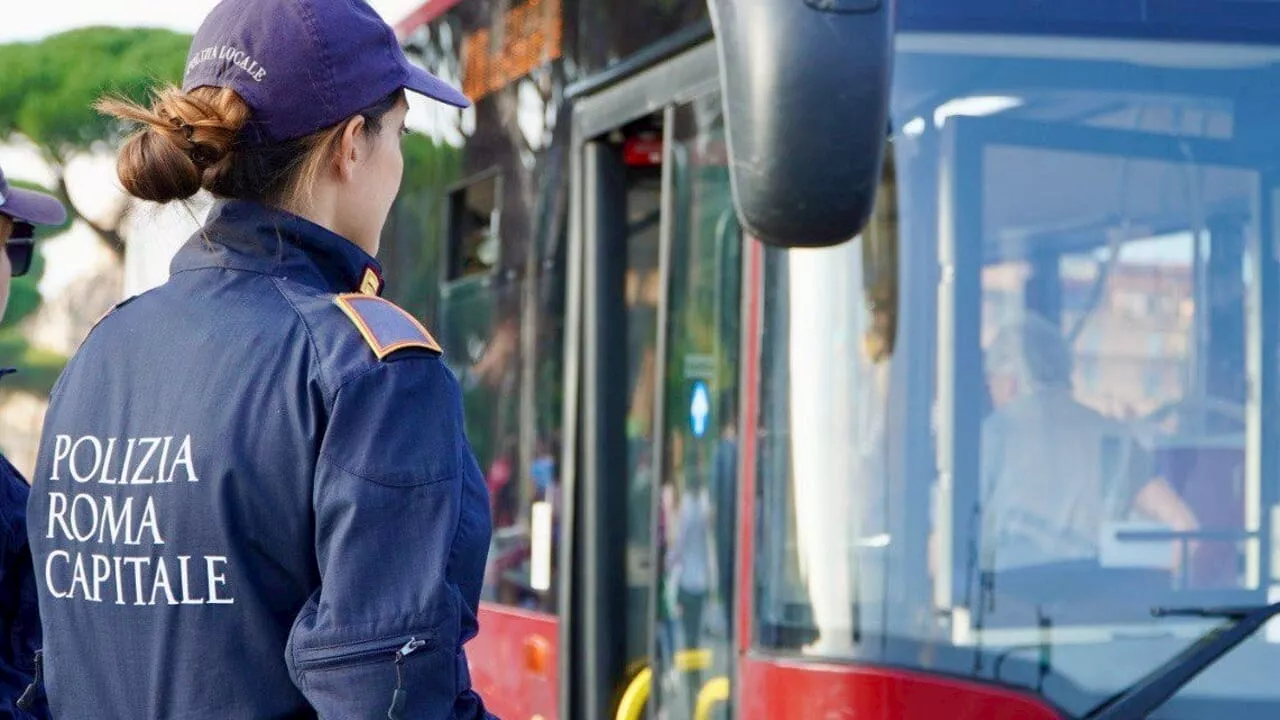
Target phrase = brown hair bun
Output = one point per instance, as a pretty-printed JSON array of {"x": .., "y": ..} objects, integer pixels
[{"x": 183, "y": 144}]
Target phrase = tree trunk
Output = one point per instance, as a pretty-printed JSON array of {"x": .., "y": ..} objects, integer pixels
[{"x": 109, "y": 235}]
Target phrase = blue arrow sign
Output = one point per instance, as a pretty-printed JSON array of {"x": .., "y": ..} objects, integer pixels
[{"x": 699, "y": 409}]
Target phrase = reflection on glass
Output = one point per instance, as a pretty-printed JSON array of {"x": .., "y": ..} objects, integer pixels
[
  {"x": 413, "y": 237},
  {"x": 699, "y": 479},
  {"x": 643, "y": 205},
  {"x": 482, "y": 262},
  {"x": 826, "y": 423},
  {"x": 609, "y": 31},
  {"x": 824, "y": 318}
]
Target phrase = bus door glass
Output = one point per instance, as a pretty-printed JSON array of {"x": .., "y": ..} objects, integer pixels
[
  {"x": 694, "y": 607},
  {"x": 628, "y": 180},
  {"x": 660, "y": 296},
  {"x": 641, "y": 203},
  {"x": 640, "y": 144}
]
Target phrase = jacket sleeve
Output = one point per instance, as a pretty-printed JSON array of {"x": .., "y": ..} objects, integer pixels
[
  {"x": 386, "y": 628},
  {"x": 19, "y": 610}
]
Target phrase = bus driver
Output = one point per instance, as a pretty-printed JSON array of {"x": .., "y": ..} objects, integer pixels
[{"x": 1054, "y": 470}]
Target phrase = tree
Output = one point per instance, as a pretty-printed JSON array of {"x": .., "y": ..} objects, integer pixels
[
  {"x": 47, "y": 90},
  {"x": 40, "y": 368},
  {"x": 413, "y": 237}
]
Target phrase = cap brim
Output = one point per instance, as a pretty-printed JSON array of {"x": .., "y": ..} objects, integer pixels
[
  {"x": 33, "y": 207},
  {"x": 424, "y": 83}
]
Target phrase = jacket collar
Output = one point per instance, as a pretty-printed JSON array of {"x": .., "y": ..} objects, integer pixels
[{"x": 243, "y": 235}]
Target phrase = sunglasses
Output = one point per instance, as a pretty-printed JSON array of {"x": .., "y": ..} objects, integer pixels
[{"x": 20, "y": 248}]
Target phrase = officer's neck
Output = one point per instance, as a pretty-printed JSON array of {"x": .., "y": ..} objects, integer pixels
[{"x": 324, "y": 207}]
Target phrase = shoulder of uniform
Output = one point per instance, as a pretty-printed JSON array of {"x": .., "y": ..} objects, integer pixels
[
  {"x": 111, "y": 310},
  {"x": 386, "y": 327}
]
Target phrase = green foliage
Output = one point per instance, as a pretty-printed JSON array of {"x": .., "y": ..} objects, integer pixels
[
  {"x": 413, "y": 239},
  {"x": 38, "y": 369},
  {"x": 48, "y": 88},
  {"x": 428, "y": 165},
  {"x": 467, "y": 311},
  {"x": 47, "y": 91},
  {"x": 24, "y": 298}
]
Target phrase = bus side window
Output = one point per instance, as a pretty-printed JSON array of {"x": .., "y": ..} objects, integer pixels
[{"x": 475, "y": 211}]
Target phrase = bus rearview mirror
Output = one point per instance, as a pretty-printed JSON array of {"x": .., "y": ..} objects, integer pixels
[{"x": 806, "y": 100}]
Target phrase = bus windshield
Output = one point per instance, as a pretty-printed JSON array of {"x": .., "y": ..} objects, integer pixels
[
  {"x": 1192, "y": 20},
  {"x": 1038, "y": 397}
]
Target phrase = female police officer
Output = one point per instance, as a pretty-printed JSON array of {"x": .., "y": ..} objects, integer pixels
[
  {"x": 254, "y": 497},
  {"x": 20, "y": 211}
]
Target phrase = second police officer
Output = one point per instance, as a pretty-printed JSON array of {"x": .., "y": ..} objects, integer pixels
[
  {"x": 254, "y": 496},
  {"x": 20, "y": 211}
]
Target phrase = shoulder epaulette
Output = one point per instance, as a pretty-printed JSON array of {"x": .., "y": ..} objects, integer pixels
[
  {"x": 387, "y": 327},
  {"x": 111, "y": 310}
]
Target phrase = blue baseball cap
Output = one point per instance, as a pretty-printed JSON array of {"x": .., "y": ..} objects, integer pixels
[
  {"x": 305, "y": 65},
  {"x": 26, "y": 206}
]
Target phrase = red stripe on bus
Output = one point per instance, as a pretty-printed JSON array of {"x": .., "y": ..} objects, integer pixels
[
  {"x": 775, "y": 689},
  {"x": 429, "y": 11},
  {"x": 747, "y": 423}
]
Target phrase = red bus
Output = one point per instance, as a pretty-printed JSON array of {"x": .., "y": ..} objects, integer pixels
[{"x": 1013, "y": 451}]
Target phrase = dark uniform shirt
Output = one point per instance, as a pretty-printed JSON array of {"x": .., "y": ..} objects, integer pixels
[
  {"x": 253, "y": 490},
  {"x": 19, "y": 614}
]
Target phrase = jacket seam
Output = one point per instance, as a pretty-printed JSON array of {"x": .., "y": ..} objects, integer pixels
[
  {"x": 355, "y": 376},
  {"x": 394, "y": 486},
  {"x": 202, "y": 268},
  {"x": 296, "y": 670},
  {"x": 453, "y": 545},
  {"x": 232, "y": 268},
  {"x": 306, "y": 327}
]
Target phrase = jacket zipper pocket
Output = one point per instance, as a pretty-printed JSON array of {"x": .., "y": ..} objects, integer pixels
[
  {"x": 354, "y": 654},
  {"x": 363, "y": 654},
  {"x": 398, "y": 696}
]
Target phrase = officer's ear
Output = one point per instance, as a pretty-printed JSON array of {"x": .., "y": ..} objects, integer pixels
[{"x": 352, "y": 148}]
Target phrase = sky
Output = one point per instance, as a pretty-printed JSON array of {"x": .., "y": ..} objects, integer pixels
[{"x": 34, "y": 20}]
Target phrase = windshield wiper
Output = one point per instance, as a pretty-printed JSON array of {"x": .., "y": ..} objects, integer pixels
[{"x": 1153, "y": 689}]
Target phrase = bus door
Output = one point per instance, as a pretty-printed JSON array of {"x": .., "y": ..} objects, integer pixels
[
  {"x": 656, "y": 265},
  {"x": 1121, "y": 281}
]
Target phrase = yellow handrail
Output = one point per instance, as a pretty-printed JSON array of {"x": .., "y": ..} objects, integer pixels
[
  {"x": 715, "y": 691},
  {"x": 631, "y": 706},
  {"x": 693, "y": 659}
]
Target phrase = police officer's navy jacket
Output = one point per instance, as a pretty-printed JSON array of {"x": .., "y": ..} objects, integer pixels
[
  {"x": 254, "y": 496},
  {"x": 19, "y": 616}
]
